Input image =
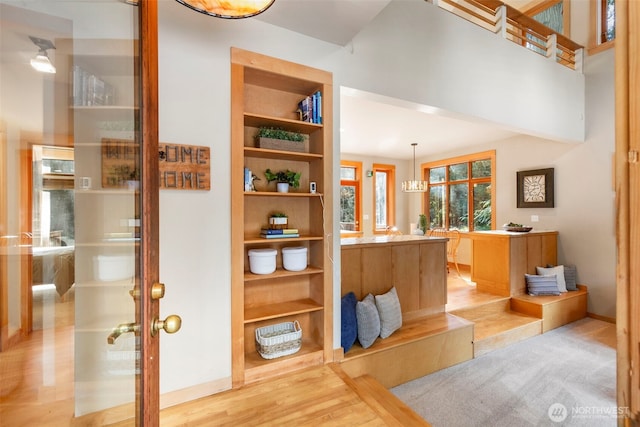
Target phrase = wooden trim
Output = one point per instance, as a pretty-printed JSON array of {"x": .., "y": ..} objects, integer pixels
[
  {"x": 491, "y": 154},
  {"x": 237, "y": 227},
  {"x": 391, "y": 194},
  {"x": 627, "y": 71},
  {"x": 148, "y": 410},
  {"x": 603, "y": 318},
  {"x": 358, "y": 185}
]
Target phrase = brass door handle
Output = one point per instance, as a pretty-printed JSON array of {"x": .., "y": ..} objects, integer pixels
[
  {"x": 122, "y": 328},
  {"x": 170, "y": 325}
]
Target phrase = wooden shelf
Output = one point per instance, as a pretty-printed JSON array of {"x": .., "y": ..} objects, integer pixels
[
  {"x": 266, "y": 153},
  {"x": 283, "y": 309},
  {"x": 257, "y": 120},
  {"x": 276, "y": 194},
  {"x": 280, "y": 273},
  {"x": 256, "y": 367},
  {"x": 262, "y": 240},
  {"x": 266, "y": 92}
]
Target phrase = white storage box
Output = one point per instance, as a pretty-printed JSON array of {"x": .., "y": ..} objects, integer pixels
[
  {"x": 109, "y": 268},
  {"x": 262, "y": 261},
  {"x": 294, "y": 258}
]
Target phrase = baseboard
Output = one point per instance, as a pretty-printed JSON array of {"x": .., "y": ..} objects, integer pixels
[
  {"x": 191, "y": 393},
  {"x": 603, "y": 318}
]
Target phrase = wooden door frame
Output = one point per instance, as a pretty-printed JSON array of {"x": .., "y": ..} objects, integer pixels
[
  {"x": 627, "y": 183},
  {"x": 148, "y": 384}
]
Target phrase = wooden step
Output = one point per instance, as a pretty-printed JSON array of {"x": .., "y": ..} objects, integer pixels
[
  {"x": 389, "y": 408},
  {"x": 496, "y": 326},
  {"x": 421, "y": 346}
]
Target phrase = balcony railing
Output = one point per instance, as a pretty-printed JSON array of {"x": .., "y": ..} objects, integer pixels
[{"x": 513, "y": 25}]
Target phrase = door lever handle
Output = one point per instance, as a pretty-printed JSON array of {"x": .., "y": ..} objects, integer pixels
[{"x": 122, "y": 328}]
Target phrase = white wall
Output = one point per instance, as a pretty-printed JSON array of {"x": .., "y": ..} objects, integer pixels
[{"x": 404, "y": 44}]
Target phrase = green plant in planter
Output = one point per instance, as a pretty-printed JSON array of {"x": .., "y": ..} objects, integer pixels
[
  {"x": 422, "y": 223},
  {"x": 290, "y": 177},
  {"x": 278, "y": 133}
]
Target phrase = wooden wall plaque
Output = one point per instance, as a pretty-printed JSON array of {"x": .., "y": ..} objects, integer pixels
[{"x": 181, "y": 167}]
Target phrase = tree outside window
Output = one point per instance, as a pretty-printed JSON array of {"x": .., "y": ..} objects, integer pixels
[{"x": 458, "y": 187}]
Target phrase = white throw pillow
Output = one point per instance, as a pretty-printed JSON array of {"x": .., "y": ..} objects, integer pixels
[{"x": 557, "y": 271}]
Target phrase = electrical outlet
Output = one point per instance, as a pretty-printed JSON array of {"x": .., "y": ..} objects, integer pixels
[{"x": 534, "y": 218}]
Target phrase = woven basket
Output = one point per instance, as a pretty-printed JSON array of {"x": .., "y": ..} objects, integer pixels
[{"x": 278, "y": 340}]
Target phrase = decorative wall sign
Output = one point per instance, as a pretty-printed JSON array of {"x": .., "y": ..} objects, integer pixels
[
  {"x": 181, "y": 167},
  {"x": 119, "y": 160},
  {"x": 535, "y": 188},
  {"x": 184, "y": 167}
]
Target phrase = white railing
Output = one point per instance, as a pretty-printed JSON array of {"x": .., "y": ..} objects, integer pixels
[{"x": 513, "y": 25}]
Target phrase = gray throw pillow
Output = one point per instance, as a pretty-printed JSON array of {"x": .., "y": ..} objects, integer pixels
[
  {"x": 368, "y": 321},
  {"x": 541, "y": 285},
  {"x": 570, "y": 277},
  {"x": 390, "y": 312},
  {"x": 558, "y": 271}
]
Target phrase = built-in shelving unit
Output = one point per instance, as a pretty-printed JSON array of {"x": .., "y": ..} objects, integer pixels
[{"x": 266, "y": 92}]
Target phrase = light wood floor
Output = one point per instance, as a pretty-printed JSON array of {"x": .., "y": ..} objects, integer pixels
[{"x": 34, "y": 394}]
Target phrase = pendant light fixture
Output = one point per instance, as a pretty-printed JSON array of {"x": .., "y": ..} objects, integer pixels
[
  {"x": 414, "y": 186},
  {"x": 41, "y": 62},
  {"x": 229, "y": 9}
]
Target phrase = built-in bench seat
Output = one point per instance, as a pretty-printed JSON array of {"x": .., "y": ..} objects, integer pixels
[
  {"x": 554, "y": 310},
  {"x": 421, "y": 346}
]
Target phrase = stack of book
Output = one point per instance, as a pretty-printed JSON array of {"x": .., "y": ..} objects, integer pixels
[
  {"x": 279, "y": 233},
  {"x": 310, "y": 108}
]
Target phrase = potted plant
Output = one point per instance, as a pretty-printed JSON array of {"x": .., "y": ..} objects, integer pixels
[
  {"x": 280, "y": 139},
  {"x": 285, "y": 179},
  {"x": 278, "y": 220},
  {"x": 422, "y": 223}
]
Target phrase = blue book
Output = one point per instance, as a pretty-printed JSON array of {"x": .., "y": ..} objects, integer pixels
[
  {"x": 271, "y": 231},
  {"x": 319, "y": 107}
]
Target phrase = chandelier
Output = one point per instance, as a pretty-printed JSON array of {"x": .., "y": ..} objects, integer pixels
[
  {"x": 230, "y": 9},
  {"x": 414, "y": 185}
]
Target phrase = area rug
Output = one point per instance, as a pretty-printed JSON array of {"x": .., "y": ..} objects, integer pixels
[{"x": 564, "y": 377}]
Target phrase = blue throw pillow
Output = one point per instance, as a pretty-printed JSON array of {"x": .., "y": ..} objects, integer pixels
[{"x": 349, "y": 321}]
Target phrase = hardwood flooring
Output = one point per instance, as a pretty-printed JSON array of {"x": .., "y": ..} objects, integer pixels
[{"x": 36, "y": 386}]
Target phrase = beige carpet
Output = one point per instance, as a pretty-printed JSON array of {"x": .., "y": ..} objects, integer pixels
[{"x": 565, "y": 377}]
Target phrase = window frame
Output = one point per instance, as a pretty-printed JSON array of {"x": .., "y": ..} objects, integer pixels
[
  {"x": 468, "y": 158},
  {"x": 357, "y": 183},
  {"x": 595, "y": 28},
  {"x": 390, "y": 170}
]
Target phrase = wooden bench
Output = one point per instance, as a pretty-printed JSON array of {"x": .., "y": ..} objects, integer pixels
[
  {"x": 421, "y": 346},
  {"x": 429, "y": 339},
  {"x": 554, "y": 310}
]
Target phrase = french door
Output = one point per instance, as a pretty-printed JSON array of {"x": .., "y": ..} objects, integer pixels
[{"x": 79, "y": 291}]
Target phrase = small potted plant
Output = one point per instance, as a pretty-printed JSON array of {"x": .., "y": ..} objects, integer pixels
[
  {"x": 280, "y": 139},
  {"x": 278, "y": 220},
  {"x": 284, "y": 179}
]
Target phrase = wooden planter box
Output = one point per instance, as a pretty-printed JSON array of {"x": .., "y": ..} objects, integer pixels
[{"x": 280, "y": 144}]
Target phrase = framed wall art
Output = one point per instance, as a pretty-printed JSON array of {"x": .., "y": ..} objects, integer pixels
[{"x": 535, "y": 188}]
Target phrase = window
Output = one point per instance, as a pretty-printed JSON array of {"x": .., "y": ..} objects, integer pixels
[
  {"x": 458, "y": 187},
  {"x": 607, "y": 30},
  {"x": 603, "y": 25},
  {"x": 350, "y": 179},
  {"x": 384, "y": 196}
]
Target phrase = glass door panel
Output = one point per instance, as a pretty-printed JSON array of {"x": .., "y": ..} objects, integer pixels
[{"x": 70, "y": 217}]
